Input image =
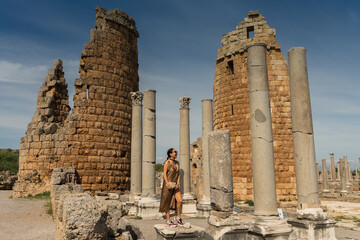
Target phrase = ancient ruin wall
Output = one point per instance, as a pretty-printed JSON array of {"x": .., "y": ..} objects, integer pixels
[
  {"x": 95, "y": 137},
  {"x": 232, "y": 109}
]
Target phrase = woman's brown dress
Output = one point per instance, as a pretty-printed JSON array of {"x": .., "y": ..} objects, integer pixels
[{"x": 168, "y": 200}]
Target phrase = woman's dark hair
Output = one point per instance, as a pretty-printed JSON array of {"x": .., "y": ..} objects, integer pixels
[{"x": 169, "y": 152}]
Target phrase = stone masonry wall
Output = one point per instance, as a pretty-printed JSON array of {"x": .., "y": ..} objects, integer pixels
[
  {"x": 94, "y": 137},
  {"x": 232, "y": 109}
]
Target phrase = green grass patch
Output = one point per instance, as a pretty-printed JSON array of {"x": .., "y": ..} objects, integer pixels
[
  {"x": 44, "y": 196},
  {"x": 9, "y": 161},
  {"x": 249, "y": 202},
  {"x": 137, "y": 218}
]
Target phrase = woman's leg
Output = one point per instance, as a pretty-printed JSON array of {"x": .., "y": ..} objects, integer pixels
[
  {"x": 178, "y": 203},
  {"x": 168, "y": 216}
]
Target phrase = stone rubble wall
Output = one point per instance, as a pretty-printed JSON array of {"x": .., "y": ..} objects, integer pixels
[
  {"x": 196, "y": 169},
  {"x": 231, "y": 109},
  {"x": 94, "y": 137},
  {"x": 7, "y": 180}
]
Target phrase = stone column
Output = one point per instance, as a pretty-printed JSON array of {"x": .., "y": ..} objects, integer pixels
[
  {"x": 266, "y": 220},
  {"x": 148, "y": 206},
  {"x": 223, "y": 222},
  {"x": 332, "y": 168},
  {"x": 338, "y": 172},
  {"x": 356, "y": 174},
  {"x": 311, "y": 221},
  {"x": 343, "y": 177},
  {"x": 149, "y": 145},
  {"x": 302, "y": 128},
  {"x": 207, "y": 126},
  {"x": 189, "y": 204},
  {"x": 317, "y": 171},
  {"x": 325, "y": 176},
  {"x": 136, "y": 145},
  {"x": 347, "y": 175}
]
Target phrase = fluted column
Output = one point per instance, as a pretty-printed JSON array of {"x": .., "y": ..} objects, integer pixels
[
  {"x": 136, "y": 145},
  {"x": 302, "y": 128},
  {"x": 149, "y": 144},
  {"x": 207, "y": 126},
  {"x": 332, "y": 168},
  {"x": 184, "y": 144}
]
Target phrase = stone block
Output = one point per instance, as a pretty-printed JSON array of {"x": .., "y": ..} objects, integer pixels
[{"x": 193, "y": 232}]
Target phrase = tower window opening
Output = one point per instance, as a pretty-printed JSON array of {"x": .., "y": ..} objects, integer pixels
[
  {"x": 230, "y": 66},
  {"x": 250, "y": 32},
  {"x": 232, "y": 109},
  {"x": 87, "y": 91}
]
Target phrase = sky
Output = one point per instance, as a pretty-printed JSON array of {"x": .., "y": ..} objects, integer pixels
[{"x": 177, "y": 47}]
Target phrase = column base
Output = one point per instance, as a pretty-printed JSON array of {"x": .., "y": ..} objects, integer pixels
[
  {"x": 131, "y": 205},
  {"x": 189, "y": 205},
  {"x": 312, "y": 230},
  {"x": 148, "y": 208},
  {"x": 226, "y": 225},
  {"x": 326, "y": 191},
  {"x": 269, "y": 227},
  {"x": 203, "y": 209},
  {"x": 344, "y": 193},
  {"x": 193, "y": 232}
]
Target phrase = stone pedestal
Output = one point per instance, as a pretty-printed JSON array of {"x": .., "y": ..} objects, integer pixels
[
  {"x": 192, "y": 232},
  {"x": 203, "y": 209},
  {"x": 189, "y": 204},
  {"x": 148, "y": 208},
  {"x": 312, "y": 224}
]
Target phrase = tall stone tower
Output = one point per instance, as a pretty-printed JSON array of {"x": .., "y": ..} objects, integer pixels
[
  {"x": 95, "y": 136},
  {"x": 232, "y": 110}
]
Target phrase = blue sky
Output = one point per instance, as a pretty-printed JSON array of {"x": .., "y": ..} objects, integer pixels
[{"x": 177, "y": 48}]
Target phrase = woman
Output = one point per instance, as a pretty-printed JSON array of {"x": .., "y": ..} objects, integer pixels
[{"x": 170, "y": 194}]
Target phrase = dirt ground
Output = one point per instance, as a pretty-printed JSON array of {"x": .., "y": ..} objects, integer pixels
[{"x": 22, "y": 219}]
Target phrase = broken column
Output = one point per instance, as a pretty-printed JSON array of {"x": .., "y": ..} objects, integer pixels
[
  {"x": 189, "y": 203},
  {"x": 148, "y": 206},
  {"x": 266, "y": 220},
  {"x": 338, "y": 171},
  {"x": 343, "y": 190},
  {"x": 222, "y": 221},
  {"x": 325, "y": 176},
  {"x": 204, "y": 207},
  {"x": 356, "y": 175},
  {"x": 311, "y": 221},
  {"x": 332, "y": 167}
]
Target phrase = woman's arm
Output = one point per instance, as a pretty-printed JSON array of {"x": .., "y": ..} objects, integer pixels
[
  {"x": 166, "y": 164},
  {"x": 178, "y": 180}
]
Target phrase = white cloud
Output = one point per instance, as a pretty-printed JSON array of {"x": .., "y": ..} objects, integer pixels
[{"x": 11, "y": 72}]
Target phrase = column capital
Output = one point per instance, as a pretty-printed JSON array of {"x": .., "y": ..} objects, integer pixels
[
  {"x": 184, "y": 102},
  {"x": 136, "y": 98}
]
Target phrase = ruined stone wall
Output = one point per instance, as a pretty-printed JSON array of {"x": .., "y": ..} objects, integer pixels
[
  {"x": 95, "y": 137},
  {"x": 196, "y": 169},
  {"x": 232, "y": 109}
]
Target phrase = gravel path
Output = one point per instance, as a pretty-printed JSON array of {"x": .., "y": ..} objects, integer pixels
[{"x": 24, "y": 219}]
